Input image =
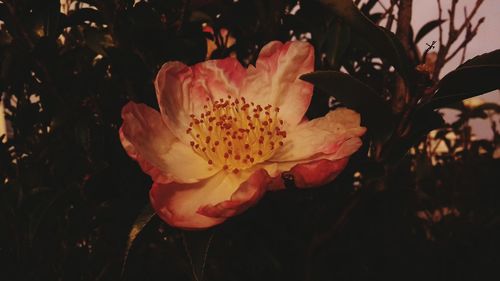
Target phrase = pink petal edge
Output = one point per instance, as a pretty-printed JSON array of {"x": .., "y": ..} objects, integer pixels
[
  {"x": 275, "y": 79},
  {"x": 249, "y": 193}
]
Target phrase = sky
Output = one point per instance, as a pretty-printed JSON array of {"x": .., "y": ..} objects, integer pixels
[{"x": 487, "y": 39}]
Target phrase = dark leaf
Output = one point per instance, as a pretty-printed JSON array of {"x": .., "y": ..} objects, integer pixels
[
  {"x": 375, "y": 113},
  {"x": 482, "y": 111},
  {"x": 339, "y": 37},
  {"x": 494, "y": 107},
  {"x": 375, "y": 37},
  {"x": 376, "y": 17},
  {"x": 475, "y": 77},
  {"x": 368, "y": 6},
  {"x": 80, "y": 16},
  {"x": 98, "y": 40},
  {"x": 90, "y": 2},
  {"x": 139, "y": 224},
  {"x": 423, "y": 122},
  {"x": 199, "y": 16},
  {"x": 491, "y": 58},
  {"x": 427, "y": 28},
  {"x": 196, "y": 245}
]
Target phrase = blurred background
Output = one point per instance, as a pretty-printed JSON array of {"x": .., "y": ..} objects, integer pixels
[{"x": 70, "y": 196}]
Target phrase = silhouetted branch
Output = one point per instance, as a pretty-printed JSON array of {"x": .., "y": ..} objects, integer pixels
[{"x": 454, "y": 33}]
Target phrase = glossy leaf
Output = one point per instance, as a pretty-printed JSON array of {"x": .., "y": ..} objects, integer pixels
[
  {"x": 337, "y": 41},
  {"x": 475, "y": 77},
  {"x": 380, "y": 42},
  {"x": 427, "y": 28},
  {"x": 140, "y": 223},
  {"x": 83, "y": 15},
  {"x": 423, "y": 122},
  {"x": 98, "y": 40},
  {"x": 197, "y": 245},
  {"x": 355, "y": 94}
]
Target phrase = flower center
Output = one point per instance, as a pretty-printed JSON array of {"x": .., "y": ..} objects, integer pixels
[{"x": 233, "y": 134}]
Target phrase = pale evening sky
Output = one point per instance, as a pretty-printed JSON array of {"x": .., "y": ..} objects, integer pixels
[{"x": 487, "y": 39}]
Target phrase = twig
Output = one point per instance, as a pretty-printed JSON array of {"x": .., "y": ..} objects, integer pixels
[
  {"x": 387, "y": 11},
  {"x": 453, "y": 34},
  {"x": 470, "y": 34},
  {"x": 401, "y": 95},
  {"x": 391, "y": 17},
  {"x": 465, "y": 47},
  {"x": 440, "y": 9}
]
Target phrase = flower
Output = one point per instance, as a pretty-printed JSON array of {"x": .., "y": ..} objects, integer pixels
[{"x": 225, "y": 134}]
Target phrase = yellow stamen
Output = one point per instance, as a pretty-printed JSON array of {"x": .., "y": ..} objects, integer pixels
[{"x": 234, "y": 135}]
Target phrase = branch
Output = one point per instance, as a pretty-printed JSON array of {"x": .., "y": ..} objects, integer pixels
[
  {"x": 454, "y": 34},
  {"x": 389, "y": 12},
  {"x": 470, "y": 34},
  {"x": 440, "y": 26},
  {"x": 403, "y": 32}
]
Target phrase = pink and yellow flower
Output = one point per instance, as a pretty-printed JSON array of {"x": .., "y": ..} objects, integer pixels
[{"x": 225, "y": 134}]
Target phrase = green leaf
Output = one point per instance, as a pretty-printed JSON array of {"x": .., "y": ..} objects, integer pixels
[
  {"x": 491, "y": 58},
  {"x": 368, "y": 6},
  {"x": 80, "y": 16},
  {"x": 482, "y": 111},
  {"x": 428, "y": 27},
  {"x": 477, "y": 76},
  {"x": 422, "y": 123},
  {"x": 90, "y": 2},
  {"x": 489, "y": 107},
  {"x": 337, "y": 42},
  {"x": 140, "y": 223},
  {"x": 379, "y": 40},
  {"x": 374, "y": 111},
  {"x": 98, "y": 40},
  {"x": 197, "y": 245}
]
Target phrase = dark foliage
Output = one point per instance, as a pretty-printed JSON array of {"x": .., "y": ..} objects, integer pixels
[{"x": 72, "y": 202}]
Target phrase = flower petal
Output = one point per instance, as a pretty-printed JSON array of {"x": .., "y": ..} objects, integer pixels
[
  {"x": 317, "y": 173},
  {"x": 173, "y": 84},
  {"x": 182, "y": 90},
  {"x": 146, "y": 139},
  {"x": 317, "y": 170},
  {"x": 323, "y": 135},
  {"x": 209, "y": 202},
  {"x": 275, "y": 79},
  {"x": 218, "y": 78},
  {"x": 155, "y": 173},
  {"x": 248, "y": 193}
]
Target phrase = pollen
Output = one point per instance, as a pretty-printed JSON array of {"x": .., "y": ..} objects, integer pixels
[{"x": 228, "y": 129}]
